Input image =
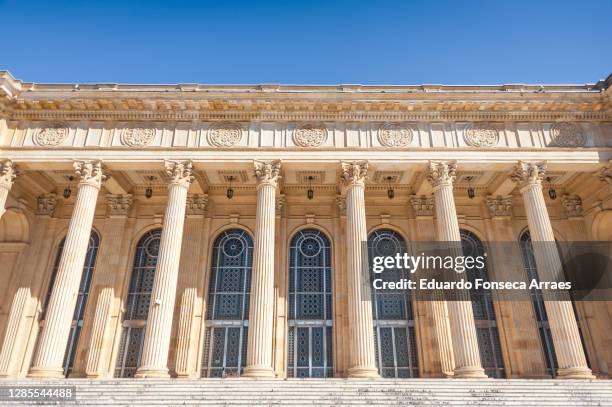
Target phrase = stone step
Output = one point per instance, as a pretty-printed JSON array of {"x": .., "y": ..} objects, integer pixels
[{"x": 332, "y": 392}]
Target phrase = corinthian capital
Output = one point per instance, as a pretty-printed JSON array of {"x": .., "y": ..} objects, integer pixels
[
  {"x": 572, "y": 205},
  {"x": 422, "y": 205},
  {"x": 499, "y": 206},
  {"x": 528, "y": 173},
  {"x": 354, "y": 173},
  {"x": 90, "y": 172},
  {"x": 441, "y": 173},
  {"x": 179, "y": 172},
  {"x": 196, "y": 204},
  {"x": 119, "y": 205},
  {"x": 605, "y": 174},
  {"x": 46, "y": 204},
  {"x": 7, "y": 174},
  {"x": 267, "y": 172}
]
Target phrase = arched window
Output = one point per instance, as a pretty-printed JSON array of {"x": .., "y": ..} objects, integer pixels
[
  {"x": 546, "y": 340},
  {"x": 79, "y": 310},
  {"x": 484, "y": 314},
  {"x": 227, "y": 316},
  {"x": 138, "y": 300},
  {"x": 309, "y": 340},
  {"x": 395, "y": 342}
]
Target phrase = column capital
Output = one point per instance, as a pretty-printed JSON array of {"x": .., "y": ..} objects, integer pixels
[
  {"x": 8, "y": 173},
  {"x": 422, "y": 205},
  {"x": 441, "y": 173},
  {"x": 499, "y": 206},
  {"x": 90, "y": 172},
  {"x": 572, "y": 205},
  {"x": 179, "y": 172},
  {"x": 354, "y": 173},
  {"x": 528, "y": 173},
  {"x": 280, "y": 202},
  {"x": 605, "y": 174},
  {"x": 46, "y": 204},
  {"x": 196, "y": 204},
  {"x": 267, "y": 172},
  {"x": 341, "y": 204},
  {"x": 119, "y": 205}
]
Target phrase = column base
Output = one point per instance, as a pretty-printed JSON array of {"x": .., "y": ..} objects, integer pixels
[
  {"x": 363, "y": 372},
  {"x": 257, "y": 372},
  {"x": 151, "y": 373},
  {"x": 39, "y": 372},
  {"x": 470, "y": 372},
  {"x": 581, "y": 372}
]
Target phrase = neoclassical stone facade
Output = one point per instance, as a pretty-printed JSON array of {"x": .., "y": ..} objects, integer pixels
[{"x": 215, "y": 231}]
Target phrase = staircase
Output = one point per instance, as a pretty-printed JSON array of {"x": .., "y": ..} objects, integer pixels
[{"x": 330, "y": 392}]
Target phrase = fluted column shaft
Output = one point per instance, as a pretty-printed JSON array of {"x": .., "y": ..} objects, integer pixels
[
  {"x": 154, "y": 362},
  {"x": 561, "y": 318},
  {"x": 463, "y": 328},
  {"x": 362, "y": 356},
  {"x": 7, "y": 176},
  {"x": 261, "y": 323},
  {"x": 49, "y": 354}
]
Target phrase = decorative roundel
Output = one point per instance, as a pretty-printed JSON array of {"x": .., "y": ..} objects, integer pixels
[
  {"x": 233, "y": 247},
  {"x": 137, "y": 136},
  {"x": 52, "y": 135},
  {"x": 310, "y": 247},
  {"x": 310, "y": 135},
  {"x": 566, "y": 135},
  {"x": 151, "y": 246},
  {"x": 395, "y": 135},
  {"x": 224, "y": 134},
  {"x": 387, "y": 246},
  {"x": 481, "y": 135}
]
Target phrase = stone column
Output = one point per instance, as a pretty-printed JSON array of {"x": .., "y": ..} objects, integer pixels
[
  {"x": 261, "y": 311},
  {"x": 564, "y": 329},
  {"x": 362, "y": 356},
  {"x": 465, "y": 343},
  {"x": 437, "y": 310},
  {"x": 49, "y": 355},
  {"x": 7, "y": 176},
  {"x": 154, "y": 362}
]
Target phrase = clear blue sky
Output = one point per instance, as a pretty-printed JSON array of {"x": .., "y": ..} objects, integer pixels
[{"x": 307, "y": 42}]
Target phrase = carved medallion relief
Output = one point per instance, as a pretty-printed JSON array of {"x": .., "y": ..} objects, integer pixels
[
  {"x": 52, "y": 135},
  {"x": 395, "y": 135},
  {"x": 224, "y": 134},
  {"x": 566, "y": 134},
  {"x": 481, "y": 135},
  {"x": 137, "y": 136},
  {"x": 310, "y": 135}
]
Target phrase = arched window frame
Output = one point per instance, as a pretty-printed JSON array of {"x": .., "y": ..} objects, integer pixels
[
  {"x": 225, "y": 337},
  {"x": 399, "y": 331},
  {"x": 305, "y": 329}
]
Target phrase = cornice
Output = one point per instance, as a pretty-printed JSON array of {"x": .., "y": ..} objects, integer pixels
[
  {"x": 273, "y": 102},
  {"x": 298, "y": 116}
]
